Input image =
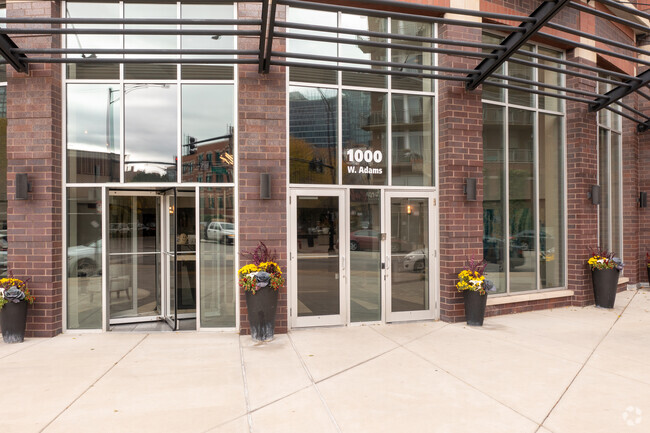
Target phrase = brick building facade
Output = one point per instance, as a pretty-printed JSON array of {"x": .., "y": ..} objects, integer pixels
[{"x": 350, "y": 240}]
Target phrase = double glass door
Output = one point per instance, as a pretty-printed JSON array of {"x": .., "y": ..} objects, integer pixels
[
  {"x": 152, "y": 257},
  {"x": 361, "y": 255}
]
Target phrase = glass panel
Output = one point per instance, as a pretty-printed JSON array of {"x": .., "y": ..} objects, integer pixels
[
  {"x": 186, "y": 253},
  {"x": 207, "y": 125},
  {"x": 412, "y": 57},
  {"x": 493, "y": 93},
  {"x": 3, "y": 184},
  {"x": 300, "y": 46},
  {"x": 364, "y": 138},
  {"x": 616, "y": 195},
  {"x": 312, "y": 75},
  {"x": 603, "y": 180},
  {"x": 150, "y": 133},
  {"x": 170, "y": 42},
  {"x": 549, "y": 77},
  {"x": 495, "y": 229},
  {"x": 413, "y": 140},
  {"x": 208, "y": 42},
  {"x": 551, "y": 201},
  {"x": 520, "y": 97},
  {"x": 169, "y": 254},
  {"x": 318, "y": 256},
  {"x": 313, "y": 135},
  {"x": 365, "y": 255},
  {"x": 363, "y": 52},
  {"x": 81, "y": 41},
  {"x": 84, "y": 258},
  {"x": 409, "y": 244},
  {"x": 93, "y": 128},
  {"x": 217, "y": 231},
  {"x": 134, "y": 256},
  {"x": 521, "y": 168}
]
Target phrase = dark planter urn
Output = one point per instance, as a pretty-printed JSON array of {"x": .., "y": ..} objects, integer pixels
[
  {"x": 474, "y": 307},
  {"x": 648, "y": 269},
  {"x": 605, "y": 282},
  {"x": 13, "y": 318},
  {"x": 261, "y": 313}
]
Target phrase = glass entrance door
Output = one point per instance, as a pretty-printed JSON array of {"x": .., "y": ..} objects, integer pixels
[
  {"x": 318, "y": 241},
  {"x": 179, "y": 253},
  {"x": 152, "y": 257},
  {"x": 134, "y": 270},
  {"x": 409, "y": 256}
]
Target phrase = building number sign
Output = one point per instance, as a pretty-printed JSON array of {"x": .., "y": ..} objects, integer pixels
[{"x": 356, "y": 157}]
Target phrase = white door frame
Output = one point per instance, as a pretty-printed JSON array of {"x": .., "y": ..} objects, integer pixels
[
  {"x": 329, "y": 320},
  {"x": 433, "y": 311}
]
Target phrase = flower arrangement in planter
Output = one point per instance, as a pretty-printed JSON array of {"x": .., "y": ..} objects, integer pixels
[
  {"x": 474, "y": 285},
  {"x": 605, "y": 269},
  {"x": 261, "y": 280},
  {"x": 14, "y": 299}
]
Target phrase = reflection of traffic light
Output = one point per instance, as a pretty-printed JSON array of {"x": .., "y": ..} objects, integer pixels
[
  {"x": 316, "y": 165},
  {"x": 192, "y": 144}
]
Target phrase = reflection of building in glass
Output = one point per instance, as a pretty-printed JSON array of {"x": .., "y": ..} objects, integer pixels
[
  {"x": 208, "y": 160},
  {"x": 91, "y": 167}
]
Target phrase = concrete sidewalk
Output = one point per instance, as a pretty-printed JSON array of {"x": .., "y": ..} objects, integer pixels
[{"x": 568, "y": 370}]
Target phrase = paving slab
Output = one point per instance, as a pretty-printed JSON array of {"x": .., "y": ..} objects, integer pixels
[
  {"x": 328, "y": 351},
  {"x": 176, "y": 382},
  {"x": 273, "y": 370},
  {"x": 53, "y": 373},
  {"x": 403, "y": 333},
  {"x": 602, "y": 402},
  {"x": 401, "y": 392},
  {"x": 526, "y": 380},
  {"x": 303, "y": 411}
]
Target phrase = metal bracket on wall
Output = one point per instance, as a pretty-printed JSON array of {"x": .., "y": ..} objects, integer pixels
[{"x": 7, "y": 46}]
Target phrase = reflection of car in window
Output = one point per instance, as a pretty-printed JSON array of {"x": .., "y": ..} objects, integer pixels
[
  {"x": 85, "y": 260},
  {"x": 222, "y": 232},
  {"x": 416, "y": 260},
  {"x": 369, "y": 240},
  {"x": 493, "y": 252}
]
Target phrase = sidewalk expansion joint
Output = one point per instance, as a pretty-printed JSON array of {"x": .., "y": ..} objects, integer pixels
[
  {"x": 585, "y": 363},
  {"x": 249, "y": 417},
  {"x": 94, "y": 383},
  {"x": 24, "y": 348}
]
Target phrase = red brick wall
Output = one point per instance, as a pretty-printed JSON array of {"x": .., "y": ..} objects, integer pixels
[
  {"x": 460, "y": 121},
  {"x": 582, "y": 173},
  {"x": 34, "y": 147},
  {"x": 632, "y": 256},
  {"x": 262, "y": 149}
]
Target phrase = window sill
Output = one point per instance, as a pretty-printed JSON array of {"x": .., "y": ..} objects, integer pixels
[{"x": 529, "y": 297}]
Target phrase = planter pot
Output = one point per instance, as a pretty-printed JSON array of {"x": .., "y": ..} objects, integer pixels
[
  {"x": 648, "y": 269},
  {"x": 474, "y": 307},
  {"x": 605, "y": 282},
  {"x": 261, "y": 313},
  {"x": 13, "y": 318}
]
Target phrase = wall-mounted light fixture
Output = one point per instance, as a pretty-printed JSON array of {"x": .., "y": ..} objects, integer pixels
[
  {"x": 594, "y": 194},
  {"x": 409, "y": 209},
  {"x": 22, "y": 186},
  {"x": 643, "y": 199},
  {"x": 469, "y": 189},
  {"x": 171, "y": 210},
  {"x": 265, "y": 186}
]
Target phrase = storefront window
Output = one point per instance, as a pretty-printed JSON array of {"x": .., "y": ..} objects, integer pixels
[
  {"x": 84, "y": 258},
  {"x": 365, "y": 255},
  {"x": 364, "y": 138},
  {"x": 207, "y": 130},
  {"x": 523, "y": 185},
  {"x": 313, "y": 114},
  {"x": 610, "y": 221},
  {"x": 93, "y": 133},
  {"x": 217, "y": 257}
]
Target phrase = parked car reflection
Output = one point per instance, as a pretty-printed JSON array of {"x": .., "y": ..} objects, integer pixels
[
  {"x": 85, "y": 260},
  {"x": 493, "y": 252},
  {"x": 369, "y": 240}
]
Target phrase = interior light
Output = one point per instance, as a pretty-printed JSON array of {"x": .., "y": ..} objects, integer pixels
[{"x": 409, "y": 209}]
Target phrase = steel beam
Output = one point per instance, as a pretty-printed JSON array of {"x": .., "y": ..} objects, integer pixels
[
  {"x": 621, "y": 91},
  {"x": 542, "y": 15},
  {"x": 263, "y": 33},
  {"x": 265, "y": 64},
  {"x": 17, "y": 61}
]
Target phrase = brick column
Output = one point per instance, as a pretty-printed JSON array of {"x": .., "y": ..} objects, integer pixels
[
  {"x": 582, "y": 173},
  {"x": 460, "y": 121},
  {"x": 34, "y": 147},
  {"x": 632, "y": 256},
  {"x": 262, "y": 149}
]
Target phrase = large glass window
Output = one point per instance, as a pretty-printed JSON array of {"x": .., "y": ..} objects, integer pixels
[
  {"x": 523, "y": 183},
  {"x": 356, "y": 127},
  {"x": 84, "y": 258},
  {"x": 217, "y": 255},
  {"x": 610, "y": 172},
  {"x": 4, "y": 244}
]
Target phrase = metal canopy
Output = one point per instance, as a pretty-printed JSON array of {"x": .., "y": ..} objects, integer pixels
[{"x": 542, "y": 24}]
